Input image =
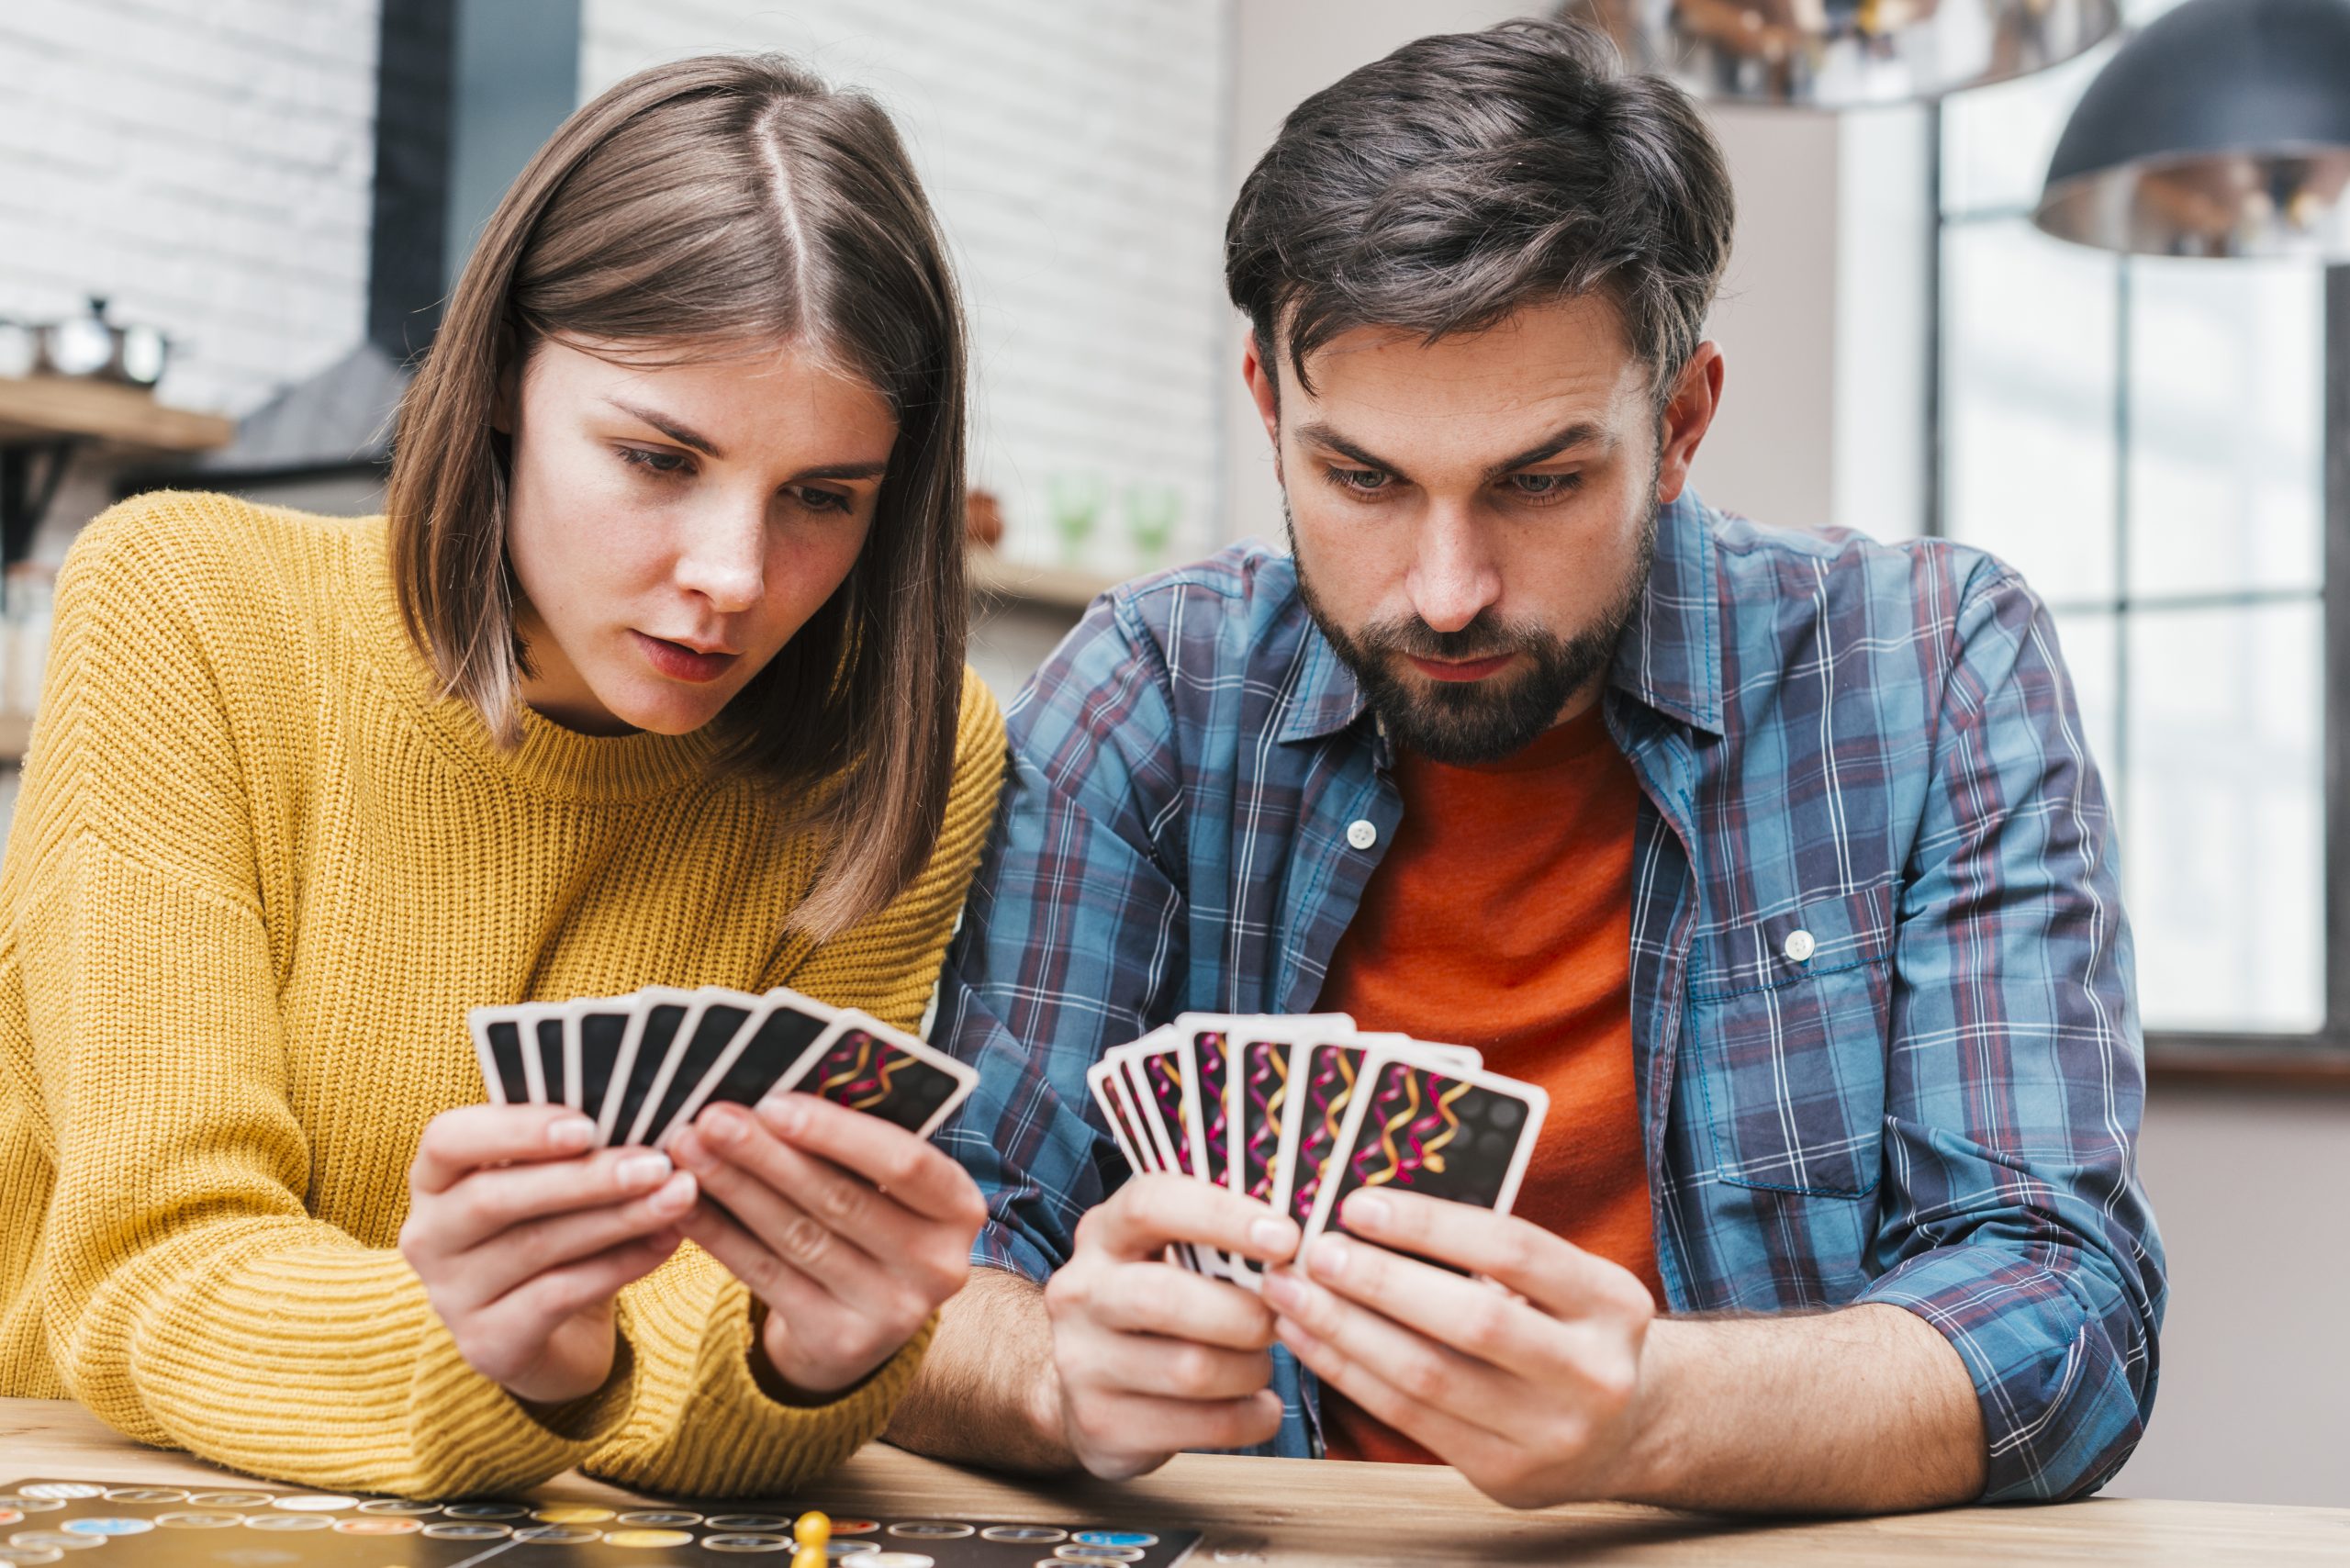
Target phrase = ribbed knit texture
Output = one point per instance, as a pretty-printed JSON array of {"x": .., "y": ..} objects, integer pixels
[{"x": 258, "y": 872}]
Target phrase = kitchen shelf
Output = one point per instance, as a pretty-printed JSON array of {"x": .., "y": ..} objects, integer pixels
[{"x": 1024, "y": 582}]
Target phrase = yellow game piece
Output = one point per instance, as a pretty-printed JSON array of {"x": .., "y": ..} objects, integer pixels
[{"x": 809, "y": 1536}]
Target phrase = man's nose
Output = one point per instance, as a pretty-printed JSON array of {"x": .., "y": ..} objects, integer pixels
[{"x": 1453, "y": 577}]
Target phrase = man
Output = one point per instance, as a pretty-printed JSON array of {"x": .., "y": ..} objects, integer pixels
[{"x": 1777, "y": 858}]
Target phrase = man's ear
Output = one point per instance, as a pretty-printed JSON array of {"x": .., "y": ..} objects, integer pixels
[
  {"x": 1266, "y": 390},
  {"x": 1695, "y": 398}
]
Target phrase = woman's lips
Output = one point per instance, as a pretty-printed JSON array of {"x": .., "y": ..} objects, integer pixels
[
  {"x": 680, "y": 663},
  {"x": 1458, "y": 669}
]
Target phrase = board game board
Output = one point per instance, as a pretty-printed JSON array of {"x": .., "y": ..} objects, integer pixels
[{"x": 84, "y": 1524}]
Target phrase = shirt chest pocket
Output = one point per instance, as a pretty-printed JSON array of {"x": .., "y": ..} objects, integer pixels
[{"x": 1786, "y": 1046}]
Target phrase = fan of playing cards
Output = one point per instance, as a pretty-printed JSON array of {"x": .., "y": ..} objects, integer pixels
[
  {"x": 1300, "y": 1111},
  {"x": 643, "y": 1064}
]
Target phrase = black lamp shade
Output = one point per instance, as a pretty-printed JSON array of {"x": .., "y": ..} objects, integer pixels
[{"x": 2222, "y": 129}]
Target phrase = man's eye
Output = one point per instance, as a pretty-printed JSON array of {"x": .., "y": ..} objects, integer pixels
[
  {"x": 1540, "y": 487},
  {"x": 653, "y": 462},
  {"x": 1367, "y": 481}
]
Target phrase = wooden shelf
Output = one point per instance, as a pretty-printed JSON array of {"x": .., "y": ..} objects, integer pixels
[
  {"x": 1061, "y": 588},
  {"x": 62, "y": 408}
]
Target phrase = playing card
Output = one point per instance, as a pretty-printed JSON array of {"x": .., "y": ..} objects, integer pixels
[
  {"x": 597, "y": 1029},
  {"x": 497, "y": 1044},
  {"x": 661, "y": 1012},
  {"x": 781, "y": 1029},
  {"x": 712, "y": 1020},
  {"x": 1322, "y": 1075},
  {"x": 1142, "y": 1142},
  {"x": 542, "y": 1037},
  {"x": 1424, "y": 1126},
  {"x": 865, "y": 1065},
  {"x": 1154, "y": 1067}
]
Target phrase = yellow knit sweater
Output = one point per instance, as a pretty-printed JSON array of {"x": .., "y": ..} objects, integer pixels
[{"x": 257, "y": 874}]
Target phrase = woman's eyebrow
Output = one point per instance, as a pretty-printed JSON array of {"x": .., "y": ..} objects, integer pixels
[{"x": 668, "y": 427}]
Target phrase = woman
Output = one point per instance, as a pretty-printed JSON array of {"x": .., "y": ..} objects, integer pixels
[{"x": 651, "y": 674}]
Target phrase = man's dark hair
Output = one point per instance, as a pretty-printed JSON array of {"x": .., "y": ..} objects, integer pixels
[{"x": 1467, "y": 175}]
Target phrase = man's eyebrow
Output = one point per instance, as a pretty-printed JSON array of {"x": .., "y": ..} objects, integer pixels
[
  {"x": 1581, "y": 434},
  {"x": 668, "y": 427}
]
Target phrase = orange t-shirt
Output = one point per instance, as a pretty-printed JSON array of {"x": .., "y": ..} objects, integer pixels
[{"x": 1502, "y": 918}]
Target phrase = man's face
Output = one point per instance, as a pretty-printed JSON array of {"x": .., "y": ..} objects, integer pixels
[{"x": 1472, "y": 519}]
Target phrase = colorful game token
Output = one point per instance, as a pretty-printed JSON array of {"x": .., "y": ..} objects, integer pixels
[
  {"x": 200, "y": 1518},
  {"x": 12, "y": 1515},
  {"x": 229, "y": 1499},
  {"x": 1024, "y": 1535},
  {"x": 1114, "y": 1538},
  {"x": 64, "y": 1491},
  {"x": 469, "y": 1530},
  {"x": 1100, "y": 1556},
  {"x": 109, "y": 1526},
  {"x": 314, "y": 1503},
  {"x": 760, "y": 1524},
  {"x": 745, "y": 1542},
  {"x": 835, "y": 1551},
  {"x": 28, "y": 1556},
  {"x": 485, "y": 1510},
  {"x": 648, "y": 1537},
  {"x": 559, "y": 1535},
  {"x": 55, "y": 1540},
  {"x": 146, "y": 1494},
  {"x": 855, "y": 1526},
  {"x": 660, "y": 1518},
  {"x": 893, "y": 1560},
  {"x": 376, "y": 1524},
  {"x": 26, "y": 1505},
  {"x": 572, "y": 1514},
  {"x": 401, "y": 1506},
  {"x": 287, "y": 1524},
  {"x": 812, "y": 1534},
  {"x": 932, "y": 1529}
]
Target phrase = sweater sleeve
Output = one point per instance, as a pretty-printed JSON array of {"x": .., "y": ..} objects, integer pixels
[
  {"x": 702, "y": 1424},
  {"x": 187, "y": 1297}
]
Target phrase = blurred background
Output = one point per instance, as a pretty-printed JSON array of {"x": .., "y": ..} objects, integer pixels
[{"x": 225, "y": 226}]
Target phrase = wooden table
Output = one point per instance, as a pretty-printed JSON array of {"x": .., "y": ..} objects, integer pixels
[{"x": 1279, "y": 1512}]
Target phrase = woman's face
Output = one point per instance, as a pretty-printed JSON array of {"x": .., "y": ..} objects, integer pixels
[{"x": 671, "y": 527}]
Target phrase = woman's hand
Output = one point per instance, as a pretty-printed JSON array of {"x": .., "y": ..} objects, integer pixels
[
  {"x": 851, "y": 1230},
  {"x": 523, "y": 1236}
]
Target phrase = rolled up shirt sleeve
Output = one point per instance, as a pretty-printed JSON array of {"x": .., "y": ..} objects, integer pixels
[{"x": 2011, "y": 1219}]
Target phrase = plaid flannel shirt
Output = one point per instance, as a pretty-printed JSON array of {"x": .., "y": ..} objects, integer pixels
[{"x": 1935, "y": 1106}]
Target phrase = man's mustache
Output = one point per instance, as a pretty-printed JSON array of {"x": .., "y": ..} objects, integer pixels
[{"x": 1483, "y": 638}]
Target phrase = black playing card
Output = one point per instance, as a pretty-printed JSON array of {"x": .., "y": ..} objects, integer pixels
[
  {"x": 497, "y": 1045},
  {"x": 544, "y": 1026},
  {"x": 599, "y": 1027},
  {"x": 864, "y": 1064},
  {"x": 779, "y": 1034},
  {"x": 660, "y": 1011},
  {"x": 703, "y": 1040}
]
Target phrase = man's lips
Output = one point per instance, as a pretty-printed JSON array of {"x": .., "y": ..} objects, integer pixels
[
  {"x": 679, "y": 662},
  {"x": 1459, "y": 669}
]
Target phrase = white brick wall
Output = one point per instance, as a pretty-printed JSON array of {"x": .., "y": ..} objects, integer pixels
[
  {"x": 205, "y": 163},
  {"x": 1074, "y": 150}
]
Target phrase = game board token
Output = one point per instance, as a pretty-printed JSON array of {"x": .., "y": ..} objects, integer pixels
[
  {"x": 1024, "y": 1535},
  {"x": 759, "y": 1524},
  {"x": 893, "y": 1560},
  {"x": 484, "y": 1511},
  {"x": 661, "y": 1518},
  {"x": 932, "y": 1529},
  {"x": 28, "y": 1556},
  {"x": 229, "y": 1499},
  {"x": 314, "y": 1503},
  {"x": 855, "y": 1526},
  {"x": 56, "y": 1540},
  {"x": 25, "y": 1505},
  {"x": 559, "y": 1535},
  {"x": 376, "y": 1524},
  {"x": 109, "y": 1526},
  {"x": 745, "y": 1542},
  {"x": 199, "y": 1519},
  {"x": 287, "y": 1524},
  {"x": 1101, "y": 1555},
  {"x": 835, "y": 1551},
  {"x": 572, "y": 1514},
  {"x": 146, "y": 1494},
  {"x": 648, "y": 1537},
  {"x": 467, "y": 1532},
  {"x": 1114, "y": 1538},
  {"x": 12, "y": 1515},
  {"x": 401, "y": 1506},
  {"x": 64, "y": 1490}
]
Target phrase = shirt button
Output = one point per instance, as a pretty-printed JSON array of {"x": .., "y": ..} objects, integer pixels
[
  {"x": 1361, "y": 835},
  {"x": 1799, "y": 947}
]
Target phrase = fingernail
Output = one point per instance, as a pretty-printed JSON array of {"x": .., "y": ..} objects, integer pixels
[
  {"x": 1291, "y": 1333},
  {"x": 675, "y": 1198},
  {"x": 572, "y": 1132},
  {"x": 1273, "y": 1233},
  {"x": 722, "y": 1128},
  {"x": 1329, "y": 1258},
  {"x": 1283, "y": 1292},
  {"x": 783, "y": 1114},
  {"x": 643, "y": 1169},
  {"x": 1368, "y": 1211}
]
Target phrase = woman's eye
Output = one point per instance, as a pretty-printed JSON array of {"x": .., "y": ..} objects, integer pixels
[
  {"x": 653, "y": 462},
  {"x": 823, "y": 501}
]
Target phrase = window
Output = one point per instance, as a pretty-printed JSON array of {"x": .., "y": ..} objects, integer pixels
[{"x": 2146, "y": 440}]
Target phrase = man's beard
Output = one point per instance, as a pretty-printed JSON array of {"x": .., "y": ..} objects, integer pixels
[{"x": 1478, "y": 721}]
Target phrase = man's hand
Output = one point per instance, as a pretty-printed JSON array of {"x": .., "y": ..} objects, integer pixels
[
  {"x": 851, "y": 1230},
  {"x": 523, "y": 1236},
  {"x": 1152, "y": 1359},
  {"x": 1536, "y": 1396}
]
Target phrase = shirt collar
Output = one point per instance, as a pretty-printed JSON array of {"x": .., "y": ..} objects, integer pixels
[{"x": 1668, "y": 658}]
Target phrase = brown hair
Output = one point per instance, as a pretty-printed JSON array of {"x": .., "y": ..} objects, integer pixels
[
  {"x": 695, "y": 209},
  {"x": 1467, "y": 175}
]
